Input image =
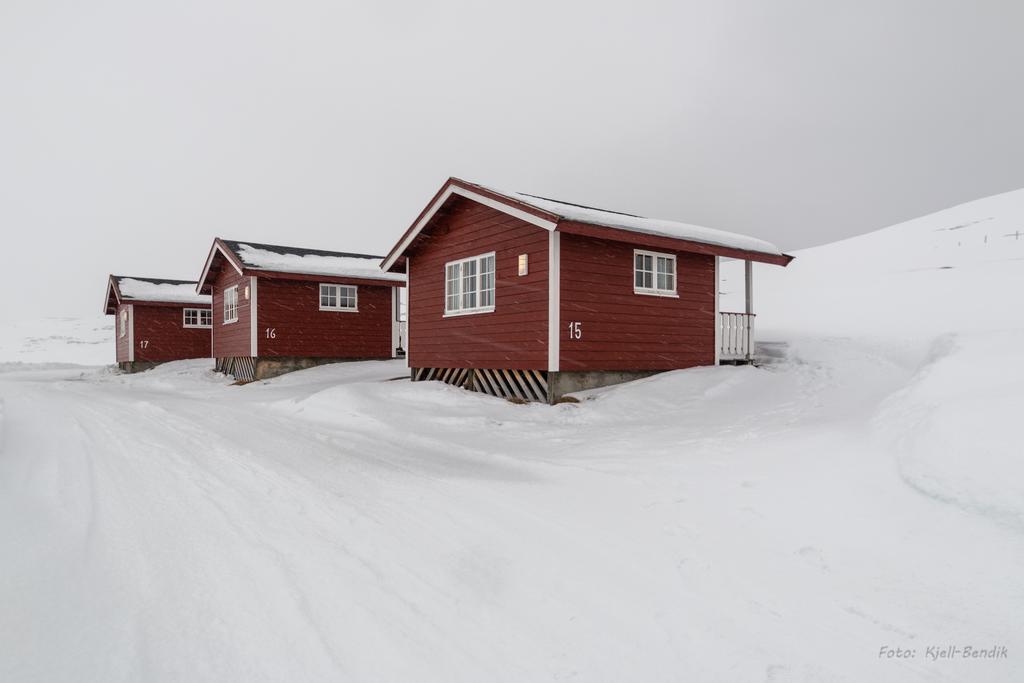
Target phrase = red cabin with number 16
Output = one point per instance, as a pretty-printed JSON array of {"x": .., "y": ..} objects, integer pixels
[{"x": 278, "y": 309}]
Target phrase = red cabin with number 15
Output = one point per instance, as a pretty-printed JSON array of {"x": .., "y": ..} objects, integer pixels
[{"x": 530, "y": 298}]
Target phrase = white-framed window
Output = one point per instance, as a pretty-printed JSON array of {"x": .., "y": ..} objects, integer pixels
[
  {"x": 339, "y": 298},
  {"x": 124, "y": 323},
  {"x": 469, "y": 285},
  {"x": 654, "y": 273},
  {"x": 197, "y": 317},
  {"x": 231, "y": 305}
]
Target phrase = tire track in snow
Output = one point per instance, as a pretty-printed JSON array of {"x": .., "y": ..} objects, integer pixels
[
  {"x": 102, "y": 423},
  {"x": 168, "y": 425}
]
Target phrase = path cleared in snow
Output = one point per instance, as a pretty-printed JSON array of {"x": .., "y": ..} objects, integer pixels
[{"x": 712, "y": 524}]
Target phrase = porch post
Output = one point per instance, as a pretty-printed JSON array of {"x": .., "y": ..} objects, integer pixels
[
  {"x": 718, "y": 313},
  {"x": 748, "y": 281}
]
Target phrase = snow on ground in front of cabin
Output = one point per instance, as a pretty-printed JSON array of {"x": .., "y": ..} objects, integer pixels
[{"x": 782, "y": 523}]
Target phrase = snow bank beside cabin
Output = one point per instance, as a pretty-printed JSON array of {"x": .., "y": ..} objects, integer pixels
[
  {"x": 140, "y": 290},
  {"x": 954, "y": 431},
  {"x": 315, "y": 264},
  {"x": 942, "y": 296}
]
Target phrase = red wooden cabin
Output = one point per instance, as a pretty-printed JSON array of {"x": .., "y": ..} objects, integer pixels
[
  {"x": 278, "y": 309},
  {"x": 157, "y": 321},
  {"x": 527, "y": 297}
]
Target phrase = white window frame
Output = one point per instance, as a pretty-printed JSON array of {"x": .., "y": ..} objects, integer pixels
[
  {"x": 233, "y": 290},
  {"x": 354, "y": 308},
  {"x": 123, "y": 318},
  {"x": 654, "y": 290},
  {"x": 459, "y": 294},
  {"x": 198, "y": 317}
]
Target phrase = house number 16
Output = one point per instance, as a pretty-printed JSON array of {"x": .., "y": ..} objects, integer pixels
[
  {"x": 271, "y": 333},
  {"x": 575, "y": 330}
]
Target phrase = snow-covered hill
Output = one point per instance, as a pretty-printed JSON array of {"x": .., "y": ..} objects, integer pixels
[
  {"x": 959, "y": 270},
  {"x": 81, "y": 341},
  {"x": 794, "y": 522}
]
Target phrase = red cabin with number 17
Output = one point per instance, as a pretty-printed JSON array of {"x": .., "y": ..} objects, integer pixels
[{"x": 157, "y": 320}]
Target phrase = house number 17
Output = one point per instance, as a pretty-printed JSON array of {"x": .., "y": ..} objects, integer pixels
[{"x": 576, "y": 330}]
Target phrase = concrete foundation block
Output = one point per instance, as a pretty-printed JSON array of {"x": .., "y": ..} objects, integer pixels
[
  {"x": 562, "y": 383},
  {"x": 267, "y": 367},
  {"x": 138, "y": 365}
]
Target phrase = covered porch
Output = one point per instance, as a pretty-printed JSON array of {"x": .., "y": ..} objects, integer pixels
[{"x": 734, "y": 330}]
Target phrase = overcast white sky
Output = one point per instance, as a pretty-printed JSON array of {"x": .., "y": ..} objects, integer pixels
[{"x": 132, "y": 133}]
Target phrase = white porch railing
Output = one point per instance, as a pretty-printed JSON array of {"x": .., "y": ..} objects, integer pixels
[{"x": 735, "y": 336}]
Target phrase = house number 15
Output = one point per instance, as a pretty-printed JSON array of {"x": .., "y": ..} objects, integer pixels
[{"x": 575, "y": 330}]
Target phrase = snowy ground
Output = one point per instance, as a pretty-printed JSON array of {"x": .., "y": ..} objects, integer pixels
[{"x": 781, "y": 523}]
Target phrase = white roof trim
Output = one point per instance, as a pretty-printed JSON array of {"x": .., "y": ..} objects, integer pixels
[
  {"x": 209, "y": 261},
  {"x": 117, "y": 296},
  {"x": 476, "y": 197}
]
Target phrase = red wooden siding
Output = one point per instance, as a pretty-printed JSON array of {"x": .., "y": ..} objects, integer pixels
[
  {"x": 160, "y": 334},
  {"x": 622, "y": 330},
  {"x": 514, "y": 335},
  {"x": 291, "y": 308},
  {"x": 122, "y": 343},
  {"x": 233, "y": 339}
]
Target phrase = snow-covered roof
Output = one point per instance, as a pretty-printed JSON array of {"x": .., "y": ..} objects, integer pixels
[
  {"x": 310, "y": 261},
  {"x": 650, "y": 226},
  {"x": 552, "y": 214},
  {"x": 152, "y": 289}
]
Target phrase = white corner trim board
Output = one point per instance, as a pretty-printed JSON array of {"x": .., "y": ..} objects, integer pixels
[
  {"x": 476, "y": 197},
  {"x": 554, "y": 299},
  {"x": 131, "y": 333},
  {"x": 395, "y": 306},
  {"x": 254, "y": 336},
  {"x": 408, "y": 309}
]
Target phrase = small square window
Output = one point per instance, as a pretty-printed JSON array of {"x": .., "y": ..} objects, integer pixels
[
  {"x": 469, "y": 285},
  {"x": 197, "y": 317},
  {"x": 654, "y": 273},
  {"x": 339, "y": 298}
]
